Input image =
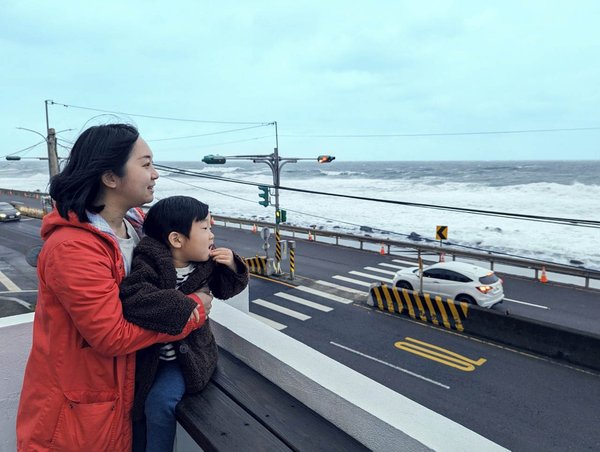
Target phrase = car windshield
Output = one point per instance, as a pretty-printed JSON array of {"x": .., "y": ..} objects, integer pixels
[
  {"x": 490, "y": 278},
  {"x": 6, "y": 207}
]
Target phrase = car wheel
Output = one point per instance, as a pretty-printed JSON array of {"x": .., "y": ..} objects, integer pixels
[
  {"x": 404, "y": 285},
  {"x": 466, "y": 299}
]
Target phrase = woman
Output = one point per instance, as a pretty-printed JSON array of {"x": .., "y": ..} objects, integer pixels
[{"x": 79, "y": 380}]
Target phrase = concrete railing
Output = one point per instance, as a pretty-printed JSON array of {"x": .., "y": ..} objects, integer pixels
[{"x": 379, "y": 418}]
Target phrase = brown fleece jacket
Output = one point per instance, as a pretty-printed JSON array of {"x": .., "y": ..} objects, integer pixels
[{"x": 151, "y": 301}]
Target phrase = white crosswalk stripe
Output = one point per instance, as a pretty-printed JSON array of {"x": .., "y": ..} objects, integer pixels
[
  {"x": 399, "y": 267},
  {"x": 269, "y": 322},
  {"x": 358, "y": 282},
  {"x": 380, "y": 270},
  {"x": 406, "y": 262},
  {"x": 280, "y": 309},
  {"x": 344, "y": 288},
  {"x": 302, "y": 301},
  {"x": 368, "y": 275},
  {"x": 324, "y": 294}
]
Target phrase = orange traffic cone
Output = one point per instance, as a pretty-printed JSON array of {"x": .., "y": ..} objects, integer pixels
[
  {"x": 382, "y": 250},
  {"x": 254, "y": 228},
  {"x": 543, "y": 278},
  {"x": 442, "y": 257},
  {"x": 310, "y": 237}
]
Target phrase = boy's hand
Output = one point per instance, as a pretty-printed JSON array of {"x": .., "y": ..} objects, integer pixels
[
  {"x": 195, "y": 315},
  {"x": 223, "y": 256}
]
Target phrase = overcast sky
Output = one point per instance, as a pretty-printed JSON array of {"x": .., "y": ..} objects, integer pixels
[{"x": 324, "y": 70}]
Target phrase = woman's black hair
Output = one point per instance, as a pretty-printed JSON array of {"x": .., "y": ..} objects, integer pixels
[
  {"x": 173, "y": 214},
  {"x": 97, "y": 150}
]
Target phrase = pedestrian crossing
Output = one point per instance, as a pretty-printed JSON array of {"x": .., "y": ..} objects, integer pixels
[{"x": 322, "y": 297}]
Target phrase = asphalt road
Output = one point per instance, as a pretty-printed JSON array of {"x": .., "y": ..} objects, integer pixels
[{"x": 518, "y": 400}]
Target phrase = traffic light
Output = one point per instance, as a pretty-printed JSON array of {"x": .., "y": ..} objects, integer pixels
[
  {"x": 325, "y": 158},
  {"x": 212, "y": 159},
  {"x": 280, "y": 216},
  {"x": 13, "y": 157},
  {"x": 263, "y": 192}
]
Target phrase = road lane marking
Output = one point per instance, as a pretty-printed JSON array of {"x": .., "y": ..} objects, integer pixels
[
  {"x": 20, "y": 291},
  {"x": 11, "y": 286},
  {"x": 406, "y": 262},
  {"x": 391, "y": 365},
  {"x": 337, "y": 286},
  {"x": 302, "y": 301},
  {"x": 352, "y": 280},
  {"x": 18, "y": 301},
  {"x": 439, "y": 354},
  {"x": 326, "y": 295},
  {"x": 269, "y": 322},
  {"x": 380, "y": 270},
  {"x": 399, "y": 267},
  {"x": 280, "y": 309},
  {"x": 368, "y": 275},
  {"x": 528, "y": 304},
  {"x": 273, "y": 280}
]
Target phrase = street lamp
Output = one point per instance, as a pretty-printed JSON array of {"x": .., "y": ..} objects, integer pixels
[{"x": 51, "y": 142}]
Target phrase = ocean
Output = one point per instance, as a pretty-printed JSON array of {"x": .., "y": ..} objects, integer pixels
[{"x": 569, "y": 189}]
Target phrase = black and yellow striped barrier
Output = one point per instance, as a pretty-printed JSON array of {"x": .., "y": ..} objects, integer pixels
[
  {"x": 30, "y": 211},
  {"x": 424, "y": 307},
  {"x": 259, "y": 265}
]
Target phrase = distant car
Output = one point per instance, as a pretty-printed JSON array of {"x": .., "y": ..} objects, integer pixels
[
  {"x": 457, "y": 280},
  {"x": 8, "y": 212}
]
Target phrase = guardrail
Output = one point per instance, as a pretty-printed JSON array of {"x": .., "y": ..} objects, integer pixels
[{"x": 494, "y": 259}]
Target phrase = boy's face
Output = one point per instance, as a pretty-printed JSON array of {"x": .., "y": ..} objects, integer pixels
[{"x": 197, "y": 247}]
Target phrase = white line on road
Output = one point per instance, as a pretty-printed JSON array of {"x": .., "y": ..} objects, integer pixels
[
  {"x": 399, "y": 267},
  {"x": 18, "y": 301},
  {"x": 380, "y": 270},
  {"x": 392, "y": 366},
  {"x": 406, "y": 262},
  {"x": 368, "y": 275},
  {"x": 19, "y": 291},
  {"x": 281, "y": 309},
  {"x": 11, "y": 286},
  {"x": 269, "y": 322},
  {"x": 302, "y": 301},
  {"x": 344, "y": 288},
  {"x": 528, "y": 304},
  {"x": 352, "y": 280},
  {"x": 326, "y": 295}
]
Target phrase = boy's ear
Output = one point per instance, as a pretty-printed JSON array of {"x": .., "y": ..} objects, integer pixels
[
  {"x": 175, "y": 240},
  {"x": 109, "y": 179}
]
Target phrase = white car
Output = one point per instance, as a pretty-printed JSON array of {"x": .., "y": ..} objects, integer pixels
[{"x": 457, "y": 280}]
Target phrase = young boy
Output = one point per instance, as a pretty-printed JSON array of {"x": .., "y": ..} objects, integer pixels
[{"x": 177, "y": 252}]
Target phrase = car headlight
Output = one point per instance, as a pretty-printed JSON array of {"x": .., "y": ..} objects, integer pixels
[
  {"x": 2, "y": 215},
  {"x": 18, "y": 213}
]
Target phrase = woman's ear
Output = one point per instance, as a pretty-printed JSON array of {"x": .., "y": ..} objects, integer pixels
[
  {"x": 175, "y": 240},
  {"x": 109, "y": 179}
]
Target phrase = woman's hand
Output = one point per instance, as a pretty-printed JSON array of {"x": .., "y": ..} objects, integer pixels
[
  {"x": 223, "y": 256},
  {"x": 206, "y": 299}
]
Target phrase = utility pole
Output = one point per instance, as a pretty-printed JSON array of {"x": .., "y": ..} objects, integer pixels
[{"x": 51, "y": 142}]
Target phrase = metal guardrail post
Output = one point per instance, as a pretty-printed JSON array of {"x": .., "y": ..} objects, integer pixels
[
  {"x": 277, "y": 252},
  {"x": 292, "y": 248}
]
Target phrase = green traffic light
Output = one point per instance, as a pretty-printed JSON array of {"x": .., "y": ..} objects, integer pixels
[
  {"x": 263, "y": 193},
  {"x": 212, "y": 159}
]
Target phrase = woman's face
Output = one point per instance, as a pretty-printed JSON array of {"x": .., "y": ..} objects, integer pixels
[{"x": 136, "y": 187}]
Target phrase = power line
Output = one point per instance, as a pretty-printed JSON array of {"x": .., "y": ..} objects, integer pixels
[
  {"x": 444, "y": 134},
  {"x": 165, "y": 118},
  {"x": 517, "y": 216},
  {"x": 207, "y": 134}
]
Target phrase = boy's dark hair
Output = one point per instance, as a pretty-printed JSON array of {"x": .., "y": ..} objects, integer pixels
[
  {"x": 173, "y": 214},
  {"x": 97, "y": 150}
]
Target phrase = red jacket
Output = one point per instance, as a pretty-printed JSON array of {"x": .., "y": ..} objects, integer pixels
[{"x": 79, "y": 380}]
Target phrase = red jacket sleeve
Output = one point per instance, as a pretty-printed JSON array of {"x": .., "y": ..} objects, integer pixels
[{"x": 81, "y": 275}]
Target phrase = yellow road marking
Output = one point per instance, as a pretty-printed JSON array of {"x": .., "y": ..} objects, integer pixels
[
  {"x": 272, "y": 280},
  {"x": 439, "y": 354}
]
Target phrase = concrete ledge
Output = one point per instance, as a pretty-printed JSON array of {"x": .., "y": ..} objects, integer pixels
[
  {"x": 379, "y": 418},
  {"x": 558, "y": 342}
]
